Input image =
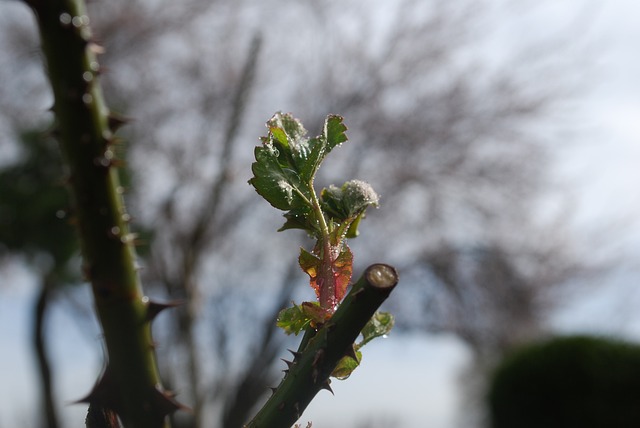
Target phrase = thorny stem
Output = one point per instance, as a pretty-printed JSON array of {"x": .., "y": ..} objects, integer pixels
[
  {"x": 84, "y": 127},
  {"x": 310, "y": 369}
]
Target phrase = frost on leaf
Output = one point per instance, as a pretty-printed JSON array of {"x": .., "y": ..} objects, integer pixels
[{"x": 284, "y": 172}]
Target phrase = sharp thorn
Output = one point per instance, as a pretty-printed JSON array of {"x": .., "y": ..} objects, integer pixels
[
  {"x": 295, "y": 354},
  {"x": 154, "y": 308},
  {"x": 351, "y": 352},
  {"x": 288, "y": 363},
  {"x": 116, "y": 121},
  {"x": 327, "y": 386}
]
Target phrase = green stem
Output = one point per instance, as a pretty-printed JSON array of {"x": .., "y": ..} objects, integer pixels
[
  {"x": 131, "y": 382},
  {"x": 317, "y": 210},
  {"x": 310, "y": 370}
]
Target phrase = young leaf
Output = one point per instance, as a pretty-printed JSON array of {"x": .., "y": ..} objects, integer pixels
[
  {"x": 311, "y": 265},
  {"x": 346, "y": 366},
  {"x": 316, "y": 314},
  {"x": 351, "y": 200},
  {"x": 284, "y": 173},
  {"x": 292, "y": 320},
  {"x": 277, "y": 183},
  {"x": 329, "y": 277},
  {"x": 379, "y": 325},
  {"x": 332, "y": 135},
  {"x": 289, "y": 137},
  {"x": 297, "y": 318}
]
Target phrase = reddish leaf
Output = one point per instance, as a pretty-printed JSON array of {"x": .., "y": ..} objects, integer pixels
[
  {"x": 311, "y": 265},
  {"x": 342, "y": 270},
  {"x": 315, "y": 313},
  {"x": 329, "y": 275}
]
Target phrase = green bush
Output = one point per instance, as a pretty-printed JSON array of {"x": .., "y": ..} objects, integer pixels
[{"x": 581, "y": 382}]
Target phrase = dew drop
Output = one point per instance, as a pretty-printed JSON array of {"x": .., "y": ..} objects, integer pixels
[
  {"x": 87, "y": 98},
  {"x": 87, "y": 76},
  {"x": 65, "y": 18},
  {"x": 102, "y": 161},
  {"x": 61, "y": 214},
  {"x": 79, "y": 21},
  {"x": 115, "y": 230}
]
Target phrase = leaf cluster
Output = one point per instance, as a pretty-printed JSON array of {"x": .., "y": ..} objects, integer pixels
[{"x": 284, "y": 172}]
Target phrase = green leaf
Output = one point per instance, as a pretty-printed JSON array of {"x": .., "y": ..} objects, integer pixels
[
  {"x": 332, "y": 135},
  {"x": 346, "y": 366},
  {"x": 280, "y": 186},
  {"x": 297, "y": 318},
  {"x": 292, "y": 320},
  {"x": 297, "y": 219},
  {"x": 334, "y": 131},
  {"x": 288, "y": 135},
  {"x": 284, "y": 173},
  {"x": 316, "y": 314},
  {"x": 379, "y": 325},
  {"x": 349, "y": 201}
]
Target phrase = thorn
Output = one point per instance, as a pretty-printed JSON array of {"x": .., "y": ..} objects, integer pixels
[
  {"x": 118, "y": 163},
  {"x": 295, "y": 354},
  {"x": 165, "y": 403},
  {"x": 285, "y": 371},
  {"x": 327, "y": 386},
  {"x": 116, "y": 121},
  {"x": 95, "y": 48},
  {"x": 112, "y": 140},
  {"x": 273, "y": 390},
  {"x": 103, "y": 392},
  {"x": 154, "y": 308},
  {"x": 351, "y": 352},
  {"x": 128, "y": 238},
  {"x": 288, "y": 363}
]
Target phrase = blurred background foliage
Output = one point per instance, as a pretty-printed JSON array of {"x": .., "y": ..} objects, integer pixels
[
  {"x": 575, "y": 381},
  {"x": 456, "y": 126}
]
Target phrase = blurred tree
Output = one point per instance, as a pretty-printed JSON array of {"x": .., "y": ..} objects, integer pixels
[
  {"x": 458, "y": 141},
  {"x": 34, "y": 224}
]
